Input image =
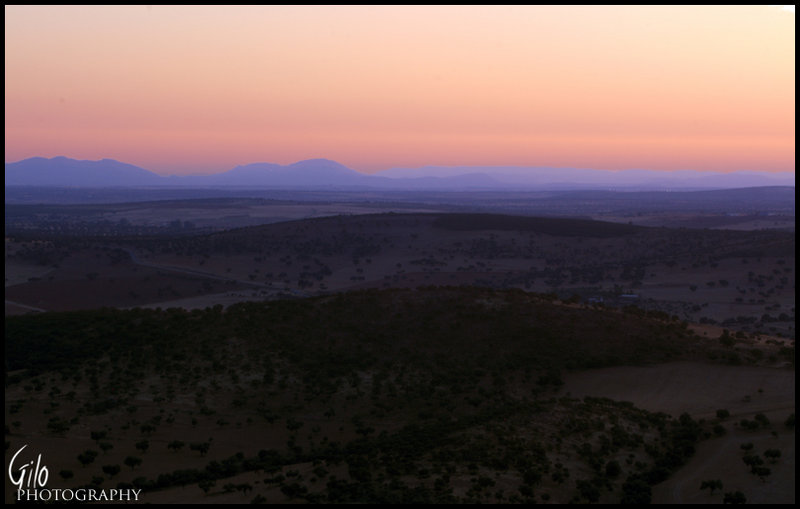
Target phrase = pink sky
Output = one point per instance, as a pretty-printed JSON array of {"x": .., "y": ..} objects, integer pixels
[{"x": 202, "y": 89}]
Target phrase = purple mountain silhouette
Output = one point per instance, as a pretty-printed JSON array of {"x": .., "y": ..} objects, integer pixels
[
  {"x": 63, "y": 171},
  {"x": 327, "y": 174}
]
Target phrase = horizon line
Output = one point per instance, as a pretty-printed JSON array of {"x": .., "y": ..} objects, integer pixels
[{"x": 481, "y": 166}]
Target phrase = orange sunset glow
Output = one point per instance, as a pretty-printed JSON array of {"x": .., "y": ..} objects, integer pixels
[{"x": 195, "y": 89}]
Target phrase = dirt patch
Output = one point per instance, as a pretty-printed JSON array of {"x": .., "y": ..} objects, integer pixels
[
  {"x": 700, "y": 390},
  {"x": 721, "y": 458},
  {"x": 121, "y": 286},
  {"x": 695, "y": 388}
]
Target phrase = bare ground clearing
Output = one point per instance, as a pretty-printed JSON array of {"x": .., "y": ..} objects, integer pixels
[{"x": 701, "y": 389}]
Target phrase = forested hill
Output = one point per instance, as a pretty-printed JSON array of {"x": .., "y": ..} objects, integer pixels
[
  {"x": 434, "y": 395},
  {"x": 434, "y": 327}
]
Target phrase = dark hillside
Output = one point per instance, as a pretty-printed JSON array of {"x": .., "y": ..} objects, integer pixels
[
  {"x": 548, "y": 225},
  {"x": 467, "y": 327},
  {"x": 435, "y": 395}
]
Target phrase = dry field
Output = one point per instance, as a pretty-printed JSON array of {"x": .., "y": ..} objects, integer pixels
[
  {"x": 730, "y": 278},
  {"x": 245, "y": 214},
  {"x": 739, "y": 280},
  {"x": 693, "y": 387},
  {"x": 701, "y": 389},
  {"x": 20, "y": 272},
  {"x": 742, "y": 222},
  {"x": 88, "y": 278}
]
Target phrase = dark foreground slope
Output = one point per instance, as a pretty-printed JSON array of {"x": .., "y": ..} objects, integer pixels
[
  {"x": 426, "y": 328},
  {"x": 429, "y": 395}
]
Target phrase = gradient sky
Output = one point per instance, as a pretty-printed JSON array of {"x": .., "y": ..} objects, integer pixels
[{"x": 182, "y": 90}]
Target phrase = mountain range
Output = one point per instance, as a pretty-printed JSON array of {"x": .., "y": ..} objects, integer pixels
[{"x": 326, "y": 174}]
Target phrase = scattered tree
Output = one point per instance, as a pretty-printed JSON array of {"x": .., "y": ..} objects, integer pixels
[
  {"x": 206, "y": 485},
  {"x": 201, "y": 447},
  {"x": 613, "y": 469},
  {"x": 133, "y": 461},
  {"x": 87, "y": 457},
  {"x": 772, "y": 455},
  {"x": 143, "y": 445},
  {"x": 736, "y": 497},
  {"x": 175, "y": 445},
  {"x": 111, "y": 470},
  {"x": 98, "y": 435},
  {"x": 712, "y": 485}
]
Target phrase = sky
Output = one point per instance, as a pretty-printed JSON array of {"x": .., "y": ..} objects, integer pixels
[{"x": 201, "y": 89}]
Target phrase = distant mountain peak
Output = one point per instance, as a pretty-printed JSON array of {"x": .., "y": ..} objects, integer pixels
[
  {"x": 317, "y": 160},
  {"x": 319, "y": 163},
  {"x": 65, "y": 171}
]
